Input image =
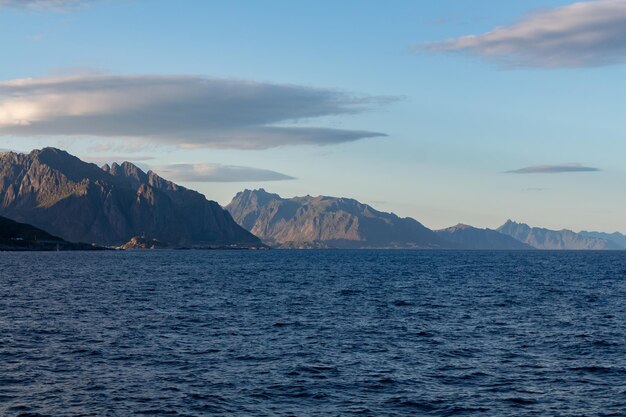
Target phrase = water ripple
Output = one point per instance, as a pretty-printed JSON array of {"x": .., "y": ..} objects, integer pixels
[{"x": 316, "y": 333}]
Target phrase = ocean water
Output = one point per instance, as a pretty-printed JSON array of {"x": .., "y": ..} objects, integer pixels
[{"x": 313, "y": 333}]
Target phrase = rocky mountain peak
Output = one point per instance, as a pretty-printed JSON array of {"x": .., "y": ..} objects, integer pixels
[
  {"x": 460, "y": 226},
  {"x": 78, "y": 201},
  {"x": 259, "y": 196},
  {"x": 129, "y": 172}
]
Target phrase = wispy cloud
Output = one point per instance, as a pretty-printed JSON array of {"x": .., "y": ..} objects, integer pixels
[
  {"x": 105, "y": 159},
  {"x": 554, "y": 169},
  {"x": 183, "y": 110},
  {"x": 218, "y": 173},
  {"x": 44, "y": 4},
  {"x": 583, "y": 34}
]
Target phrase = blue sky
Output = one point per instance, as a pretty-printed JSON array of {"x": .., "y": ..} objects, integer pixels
[{"x": 301, "y": 91}]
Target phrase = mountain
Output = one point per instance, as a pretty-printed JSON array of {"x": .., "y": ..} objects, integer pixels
[
  {"x": 468, "y": 237},
  {"x": 326, "y": 222},
  {"x": 20, "y": 236},
  {"x": 78, "y": 201},
  {"x": 555, "y": 240},
  {"x": 616, "y": 237}
]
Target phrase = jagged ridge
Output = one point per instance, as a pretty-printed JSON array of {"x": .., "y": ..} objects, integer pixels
[
  {"x": 78, "y": 201},
  {"x": 541, "y": 238}
]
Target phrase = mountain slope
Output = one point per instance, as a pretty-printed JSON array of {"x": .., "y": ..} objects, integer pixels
[
  {"x": 326, "y": 222},
  {"x": 77, "y": 201},
  {"x": 468, "y": 237},
  {"x": 540, "y": 238},
  {"x": 20, "y": 236}
]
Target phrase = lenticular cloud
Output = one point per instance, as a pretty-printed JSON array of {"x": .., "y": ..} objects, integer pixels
[
  {"x": 182, "y": 110},
  {"x": 584, "y": 34}
]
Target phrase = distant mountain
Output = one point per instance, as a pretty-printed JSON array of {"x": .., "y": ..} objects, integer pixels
[
  {"x": 326, "y": 222},
  {"x": 78, "y": 201},
  {"x": 20, "y": 236},
  {"x": 555, "y": 240},
  {"x": 617, "y": 238},
  {"x": 468, "y": 237}
]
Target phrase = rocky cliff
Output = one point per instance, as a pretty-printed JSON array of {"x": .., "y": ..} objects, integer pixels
[
  {"x": 78, "y": 201},
  {"x": 143, "y": 243}
]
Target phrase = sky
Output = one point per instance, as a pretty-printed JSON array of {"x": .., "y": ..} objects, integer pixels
[{"x": 447, "y": 111}]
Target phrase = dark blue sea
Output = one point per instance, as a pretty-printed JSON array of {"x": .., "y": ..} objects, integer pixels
[{"x": 313, "y": 333}]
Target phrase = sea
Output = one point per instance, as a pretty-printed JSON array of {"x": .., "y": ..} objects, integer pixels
[{"x": 313, "y": 333}]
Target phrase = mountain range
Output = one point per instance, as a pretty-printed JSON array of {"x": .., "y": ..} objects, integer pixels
[
  {"x": 468, "y": 237},
  {"x": 540, "y": 238},
  {"x": 81, "y": 202},
  {"x": 120, "y": 205},
  {"x": 616, "y": 237},
  {"x": 333, "y": 222}
]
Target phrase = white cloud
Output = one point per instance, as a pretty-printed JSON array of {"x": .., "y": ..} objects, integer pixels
[
  {"x": 584, "y": 34},
  {"x": 554, "y": 169},
  {"x": 105, "y": 159},
  {"x": 218, "y": 173},
  {"x": 183, "y": 110},
  {"x": 43, "y": 4}
]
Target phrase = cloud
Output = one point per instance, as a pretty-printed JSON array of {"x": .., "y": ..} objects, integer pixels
[
  {"x": 105, "y": 159},
  {"x": 182, "y": 110},
  {"x": 379, "y": 202},
  {"x": 553, "y": 169},
  {"x": 584, "y": 34},
  {"x": 218, "y": 173},
  {"x": 43, "y": 4}
]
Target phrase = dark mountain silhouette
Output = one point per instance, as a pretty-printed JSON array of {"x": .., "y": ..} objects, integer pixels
[
  {"x": 20, "y": 236},
  {"x": 540, "y": 238},
  {"x": 326, "y": 222},
  {"x": 468, "y": 237},
  {"x": 78, "y": 201}
]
